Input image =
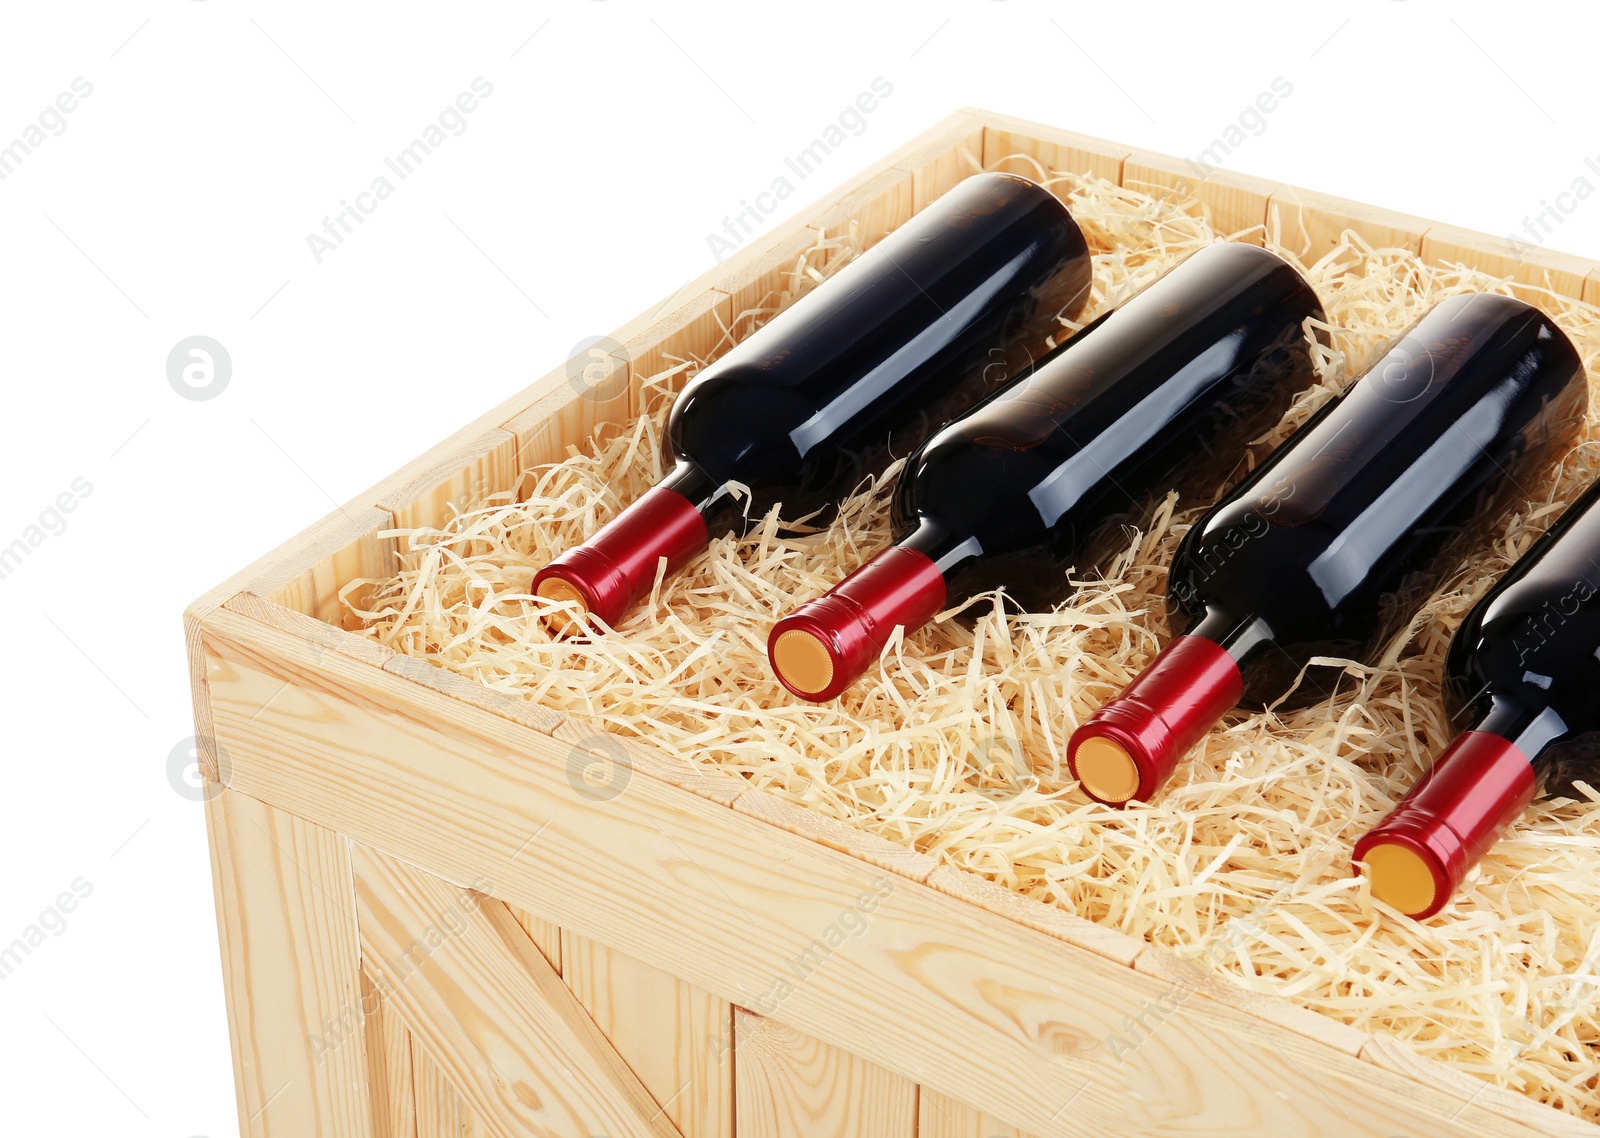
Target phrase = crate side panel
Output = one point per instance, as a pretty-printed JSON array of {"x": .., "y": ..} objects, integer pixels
[
  {"x": 546, "y": 937},
  {"x": 1312, "y": 225},
  {"x": 891, "y": 969},
  {"x": 677, "y": 1038},
  {"x": 794, "y": 1086}
]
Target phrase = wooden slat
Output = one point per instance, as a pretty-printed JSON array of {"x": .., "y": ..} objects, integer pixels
[
  {"x": 546, "y": 937},
  {"x": 876, "y": 209},
  {"x": 940, "y": 1116},
  {"x": 440, "y": 1111},
  {"x": 1533, "y": 269},
  {"x": 291, "y": 969},
  {"x": 394, "y": 1096},
  {"x": 305, "y": 573},
  {"x": 1235, "y": 204},
  {"x": 1312, "y": 224},
  {"x": 897, "y": 859},
  {"x": 1391, "y": 1055},
  {"x": 491, "y": 1011},
  {"x": 327, "y": 637},
  {"x": 677, "y": 1038},
  {"x": 615, "y": 758},
  {"x": 1166, "y": 965},
  {"x": 1009, "y": 146},
  {"x": 794, "y": 1086},
  {"x": 482, "y": 465},
  {"x": 1591, "y": 288},
  {"x": 942, "y": 162},
  {"x": 1003, "y": 902},
  {"x": 429, "y": 675},
  {"x": 979, "y": 1007},
  {"x": 696, "y": 331}
]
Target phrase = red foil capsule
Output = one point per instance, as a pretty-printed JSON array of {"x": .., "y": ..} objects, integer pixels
[
  {"x": 617, "y": 566},
  {"x": 820, "y": 648},
  {"x": 1418, "y": 856},
  {"x": 1127, "y": 749}
]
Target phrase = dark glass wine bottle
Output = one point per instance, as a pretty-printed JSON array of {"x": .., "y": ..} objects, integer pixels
[
  {"x": 1522, "y": 686},
  {"x": 917, "y": 329},
  {"x": 1329, "y": 547},
  {"x": 1170, "y": 385}
]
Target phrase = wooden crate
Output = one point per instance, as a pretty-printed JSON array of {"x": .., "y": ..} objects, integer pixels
[{"x": 434, "y": 920}]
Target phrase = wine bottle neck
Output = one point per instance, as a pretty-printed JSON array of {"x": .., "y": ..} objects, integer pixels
[
  {"x": 698, "y": 488},
  {"x": 947, "y": 549},
  {"x": 1239, "y": 636},
  {"x": 1531, "y": 729}
]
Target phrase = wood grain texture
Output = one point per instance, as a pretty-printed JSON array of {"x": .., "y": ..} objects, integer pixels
[
  {"x": 1312, "y": 225},
  {"x": 490, "y": 1010},
  {"x": 940, "y": 1116},
  {"x": 481, "y": 465},
  {"x": 394, "y": 1095},
  {"x": 1010, "y": 145},
  {"x": 1531, "y": 270},
  {"x": 876, "y": 210},
  {"x": 546, "y": 936},
  {"x": 794, "y": 1086},
  {"x": 677, "y": 1038},
  {"x": 327, "y": 637},
  {"x": 507, "y": 706},
  {"x": 593, "y": 753},
  {"x": 1235, "y": 204},
  {"x": 1591, "y": 288},
  {"x": 291, "y": 969},
  {"x": 304, "y": 574},
  {"x": 1010, "y": 1020},
  {"x": 954, "y": 158},
  {"x": 897, "y": 859},
  {"x": 1002, "y": 902},
  {"x": 440, "y": 1111},
  {"x": 1392, "y": 1055}
]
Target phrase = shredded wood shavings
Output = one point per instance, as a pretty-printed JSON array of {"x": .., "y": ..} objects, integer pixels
[{"x": 954, "y": 743}]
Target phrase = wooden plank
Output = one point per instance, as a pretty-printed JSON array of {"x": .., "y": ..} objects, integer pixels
[
  {"x": 1168, "y": 966},
  {"x": 794, "y": 1086},
  {"x": 1235, "y": 204},
  {"x": 978, "y": 1007},
  {"x": 513, "y": 707},
  {"x": 546, "y": 936},
  {"x": 897, "y": 859},
  {"x": 940, "y": 1116},
  {"x": 491, "y": 1011},
  {"x": 1003, "y": 902},
  {"x": 306, "y": 573},
  {"x": 1392, "y": 1055},
  {"x": 1311, "y": 225},
  {"x": 605, "y": 762},
  {"x": 291, "y": 970},
  {"x": 1532, "y": 270},
  {"x": 440, "y": 1111},
  {"x": 677, "y": 1038},
  {"x": 1024, "y": 148},
  {"x": 482, "y": 465},
  {"x": 935, "y": 172},
  {"x": 394, "y": 1096},
  {"x": 698, "y": 332},
  {"x": 876, "y": 209},
  {"x": 1591, "y": 288},
  {"x": 326, "y": 637}
]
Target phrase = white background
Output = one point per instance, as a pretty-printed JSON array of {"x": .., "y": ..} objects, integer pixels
[{"x": 178, "y": 199}]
